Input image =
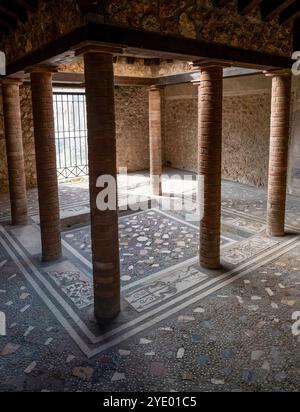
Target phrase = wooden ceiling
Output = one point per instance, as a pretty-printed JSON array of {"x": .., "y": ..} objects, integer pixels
[
  {"x": 286, "y": 10},
  {"x": 14, "y": 11}
]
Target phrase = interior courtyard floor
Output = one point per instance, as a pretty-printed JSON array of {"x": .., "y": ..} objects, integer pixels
[{"x": 182, "y": 328}]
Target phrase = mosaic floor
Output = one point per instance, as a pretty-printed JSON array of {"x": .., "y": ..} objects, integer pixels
[{"x": 181, "y": 327}]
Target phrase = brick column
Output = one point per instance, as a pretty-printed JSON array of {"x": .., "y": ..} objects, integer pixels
[
  {"x": 278, "y": 160},
  {"x": 209, "y": 161},
  {"x": 44, "y": 134},
  {"x": 99, "y": 81},
  {"x": 14, "y": 150},
  {"x": 155, "y": 140}
]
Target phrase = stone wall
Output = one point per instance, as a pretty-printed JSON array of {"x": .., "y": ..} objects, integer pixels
[
  {"x": 246, "y": 124},
  {"x": 246, "y": 136},
  {"x": 132, "y": 128},
  {"x": 180, "y": 126},
  {"x": 28, "y": 142}
]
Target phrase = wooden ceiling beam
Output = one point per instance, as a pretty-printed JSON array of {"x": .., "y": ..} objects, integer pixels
[
  {"x": 88, "y": 6},
  {"x": 8, "y": 12},
  {"x": 4, "y": 28},
  {"x": 8, "y": 23},
  {"x": 142, "y": 42},
  {"x": 271, "y": 9},
  {"x": 296, "y": 38},
  {"x": 13, "y": 11},
  {"x": 27, "y": 5},
  {"x": 220, "y": 3},
  {"x": 290, "y": 14},
  {"x": 246, "y": 6}
]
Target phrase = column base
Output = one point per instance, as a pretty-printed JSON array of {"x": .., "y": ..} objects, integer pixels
[
  {"x": 156, "y": 192},
  {"x": 276, "y": 234},
  {"x": 210, "y": 265},
  {"x": 104, "y": 316},
  {"x": 51, "y": 258},
  {"x": 156, "y": 185},
  {"x": 20, "y": 222}
]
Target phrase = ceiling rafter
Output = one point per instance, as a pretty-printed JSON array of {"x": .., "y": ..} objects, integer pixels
[
  {"x": 14, "y": 11},
  {"x": 290, "y": 14},
  {"x": 9, "y": 24},
  {"x": 271, "y": 9},
  {"x": 7, "y": 11},
  {"x": 27, "y": 4},
  {"x": 220, "y": 3},
  {"x": 296, "y": 40},
  {"x": 88, "y": 6},
  {"x": 246, "y": 6}
]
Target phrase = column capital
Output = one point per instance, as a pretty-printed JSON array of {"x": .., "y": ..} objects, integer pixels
[
  {"x": 156, "y": 87},
  {"x": 278, "y": 72},
  {"x": 11, "y": 80},
  {"x": 98, "y": 47},
  {"x": 207, "y": 63},
  {"x": 42, "y": 68},
  {"x": 196, "y": 82}
]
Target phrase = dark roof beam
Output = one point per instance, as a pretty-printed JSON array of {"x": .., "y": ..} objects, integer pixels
[
  {"x": 88, "y": 6},
  {"x": 8, "y": 23},
  {"x": 296, "y": 42},
  {"x": 220, "y": 3},
  {"x": 8, "y": 11},
  {"x": 290, "y": 14},
  {"x": 246, "y": 6},
  {"x": 27, "y": 5},
  {"x": 271, "y": 9}
]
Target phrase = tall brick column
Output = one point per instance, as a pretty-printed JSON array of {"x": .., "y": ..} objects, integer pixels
[
  {"x": 44, "y": 134},
  {"x": 209, "y": 161},
  {"x": 99, "y": 82},
  {"x": 155, "y": 140},
  {"x": 278, "y": 160},
  {"x": 14, "y": 150}
]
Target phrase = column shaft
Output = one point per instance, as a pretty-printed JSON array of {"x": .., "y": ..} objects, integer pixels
[
  {"x": 44, "y": 133},
  {"x": 278, "y": 160},
  {"x": 99, "y": 80},
  {"x": 209, "y": 160},
  {"x": 14, "y": 150},
  {"x": 155, "y": 141}
]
